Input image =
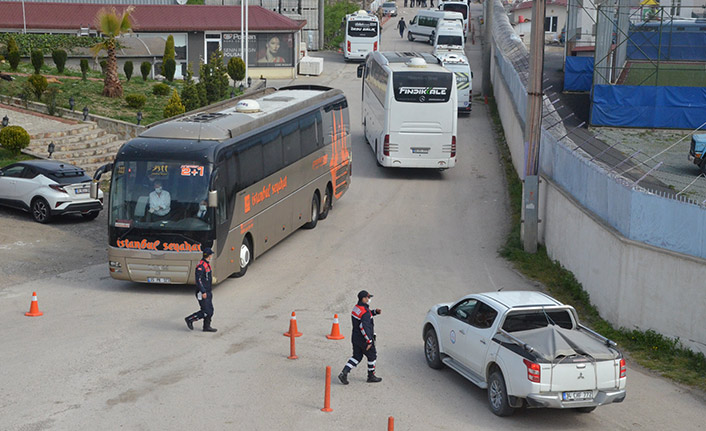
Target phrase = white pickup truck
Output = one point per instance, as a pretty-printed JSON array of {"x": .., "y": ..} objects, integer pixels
[{"x": 525, "y": 348}]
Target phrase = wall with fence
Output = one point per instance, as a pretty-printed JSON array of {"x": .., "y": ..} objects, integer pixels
[{"x": 635, "y": 253}]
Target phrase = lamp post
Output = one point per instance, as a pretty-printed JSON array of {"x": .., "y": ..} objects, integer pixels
[
  {"x": 85, "y": 113},
  {"x": 72, "y": 103},
  {"x": 50, "y": 148},
  {"x": 5, "y": 121},
  {"x": 139, "y": 117}
]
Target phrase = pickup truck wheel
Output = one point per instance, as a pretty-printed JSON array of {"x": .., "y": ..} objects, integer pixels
[
  {"x": 431, "y": 350},
  {"x": 585, "y": 409},
  {"x": 497, "y": 395}
]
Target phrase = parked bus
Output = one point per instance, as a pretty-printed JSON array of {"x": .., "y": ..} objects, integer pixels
[
  {"x": 362, "y": 35},
  {"x": 238, "y": 179},
  {"x": 461, "y": 7},
  {"x": 409, "y": 110}
]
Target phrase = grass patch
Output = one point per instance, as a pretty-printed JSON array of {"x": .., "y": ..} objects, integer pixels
[
  {"x": 668, "y": 74},
  {"x": 7, "y": 158},
  {"x": 649, "y": 349},
  {"x": 88, "y": 93}
]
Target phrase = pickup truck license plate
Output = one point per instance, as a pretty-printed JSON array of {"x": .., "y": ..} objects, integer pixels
[
  {"x": 577, "y": 396},
  {"x": 159, "y": 280}
]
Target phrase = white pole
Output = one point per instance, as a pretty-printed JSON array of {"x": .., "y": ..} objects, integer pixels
[
  {"x": 247, "y": 37},
  {"x": 24, "y": 19},
  {"x": 242, "y": 33}
]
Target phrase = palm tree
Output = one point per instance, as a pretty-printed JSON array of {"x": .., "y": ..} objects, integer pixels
[{"x": 111, "y": 25}]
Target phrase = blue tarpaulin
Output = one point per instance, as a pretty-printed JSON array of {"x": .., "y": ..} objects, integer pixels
[
  {"x": 650, "y": 45},
  {"x": 648, "y": 106},
  {"x": 578, "y": 74}
]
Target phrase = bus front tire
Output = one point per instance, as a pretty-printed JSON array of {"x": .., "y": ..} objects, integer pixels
[
  {"x": 244, "y": 258},
  {"x": 328, "y": 202},
  {"x": 314, "y": 212}
]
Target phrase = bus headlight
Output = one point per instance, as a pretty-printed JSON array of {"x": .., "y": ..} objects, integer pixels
[{"x": 115, "y": 266}]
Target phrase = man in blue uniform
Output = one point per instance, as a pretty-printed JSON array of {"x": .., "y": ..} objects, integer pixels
[
  {"x": 204, "y": 278},
  {"x": 363, "y": 338}
]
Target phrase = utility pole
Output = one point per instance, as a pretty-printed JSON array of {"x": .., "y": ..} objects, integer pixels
[
  {"x": 488, "y": 35},
  {"x": 533, "y": 130}
]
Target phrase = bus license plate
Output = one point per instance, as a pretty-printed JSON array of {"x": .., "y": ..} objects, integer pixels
[
  {"x": 420, "y": 150},
  {"x": 159, "y": 280},
  {"x": 577, "y": 396}
]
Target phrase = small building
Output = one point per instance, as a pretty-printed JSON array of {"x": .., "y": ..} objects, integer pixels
[
  {"x": 554, "y": 21},
  {"x": 198, "y": 31}
]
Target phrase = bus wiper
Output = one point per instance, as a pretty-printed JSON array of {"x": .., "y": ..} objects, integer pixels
[
  {"x": 185, "y": 237},
  {"x": 127, "y": 232}
]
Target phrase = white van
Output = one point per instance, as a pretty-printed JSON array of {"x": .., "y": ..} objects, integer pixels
[
  {"x": 461, "y": 67},
  {"x": 460, "y": 6},
  {"x": 448, "y": 38},
  {"x": 423, "y": 25}
]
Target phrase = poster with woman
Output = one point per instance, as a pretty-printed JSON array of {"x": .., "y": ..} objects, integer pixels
[{"x": 264, "y": 49}]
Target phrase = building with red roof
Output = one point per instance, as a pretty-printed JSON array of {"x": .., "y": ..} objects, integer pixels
[{"x": 198, "y": 31}]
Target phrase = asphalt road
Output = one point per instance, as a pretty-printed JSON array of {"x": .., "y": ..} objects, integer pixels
[{"x": 115, "y": 355}]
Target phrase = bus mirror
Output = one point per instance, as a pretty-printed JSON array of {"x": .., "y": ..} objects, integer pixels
[
  {"x": 94, "y": 189},
  {"x": 360, "y": 70},
  {"x": 213, "y": 199}
]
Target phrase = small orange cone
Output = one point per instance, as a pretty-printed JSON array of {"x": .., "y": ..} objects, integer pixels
[
  {"x": 293, "y": 327},
  {"x": 335, "y": 330},
  {"x": 34, "y": 307}
]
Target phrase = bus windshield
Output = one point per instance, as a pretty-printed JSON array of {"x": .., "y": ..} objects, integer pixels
[
  {"x": 362, "y": 28},
  {"x": 160, "y": 196},
  {"x": 451, "y": 7},
  {"x": 422, "y": 87},
  {"x": 449, "y": 40}
]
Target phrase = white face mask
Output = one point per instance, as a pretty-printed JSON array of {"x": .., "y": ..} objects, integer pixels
[
  {"x": 370, "y": 300},
  {"x": 158, "y": 189},
  {"x": 202, "y": 207}
]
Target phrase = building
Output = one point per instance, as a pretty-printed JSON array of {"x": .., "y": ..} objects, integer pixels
[
  {"x": 554, "y": 21},
  {"x": 198, "y": 31}
]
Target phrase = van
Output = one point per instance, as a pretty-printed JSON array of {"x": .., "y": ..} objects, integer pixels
[
  {"x": 452, "y": 17},
  {"x": 460, "y": 6},
  {"x": 448, "y": 38},
  {"x": 423, "y": 25},
  {"x": 461, "y": 67}
]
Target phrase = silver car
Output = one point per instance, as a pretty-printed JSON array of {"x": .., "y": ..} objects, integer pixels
[
  {"x": 47, "y": 188},
  {"x": 389, "y": 8}
]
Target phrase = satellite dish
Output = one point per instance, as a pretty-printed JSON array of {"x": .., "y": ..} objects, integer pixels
[{"x": 181, "y": 1}]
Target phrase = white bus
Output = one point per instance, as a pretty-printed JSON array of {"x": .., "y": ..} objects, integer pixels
[
  {"x": 362, "y": 35},
  {"x": 409, "y": 110},
  {"x": 459, "y": 6}
]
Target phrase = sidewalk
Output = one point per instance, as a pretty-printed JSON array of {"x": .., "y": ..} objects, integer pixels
[{"x": 35, "y": 123}]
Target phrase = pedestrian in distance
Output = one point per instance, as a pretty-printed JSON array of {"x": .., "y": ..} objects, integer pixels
[
  {"x": 401, "y": 26},
  {"x": 362, "y": 338},
  {"x": 204, "y": 279},
  {"x": 431, "y": 2}
]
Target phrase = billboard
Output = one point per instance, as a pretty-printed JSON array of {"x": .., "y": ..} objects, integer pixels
[{"x": 264, "y": 49}]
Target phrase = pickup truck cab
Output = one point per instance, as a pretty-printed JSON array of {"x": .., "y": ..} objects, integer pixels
[{"x": 525, "y": 348}]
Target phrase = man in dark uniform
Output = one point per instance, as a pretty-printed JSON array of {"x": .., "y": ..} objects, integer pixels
[
  {"x": 363, "y": 338},
  {"x": 204, "y": 278}
]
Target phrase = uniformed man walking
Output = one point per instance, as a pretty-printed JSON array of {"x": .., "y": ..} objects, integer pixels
[
  {"x": 204, "y": 278},
  {"x": 363, "y": 338}
]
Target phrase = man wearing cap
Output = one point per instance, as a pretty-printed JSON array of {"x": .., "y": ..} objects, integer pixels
[
  {"x": 363, "y": 338},
  {"x": 204, "y": 278}
]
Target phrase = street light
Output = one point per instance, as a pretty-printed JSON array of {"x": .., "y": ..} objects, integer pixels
[
  {"x": 232, "y": 93},
  {"x": 249, "y": 81},
  {"x": 5, "y": 121},
  {"x": 139, "y": 117},
  {"x": 72, "y": 103},
  {"x": 85, "y": 113},
  {"x": 50, "y": 148}
]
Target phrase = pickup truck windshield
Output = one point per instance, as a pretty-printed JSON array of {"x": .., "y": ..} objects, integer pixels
[{"x": 525, "y": 320}]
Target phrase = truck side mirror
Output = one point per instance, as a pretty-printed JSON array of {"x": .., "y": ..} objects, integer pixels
[
  {"x": 361, "y": 67},
  {"x": 443, "y": 310},
  {"x": 213, "y": 199},
  {"x": 94, "y": 189}
]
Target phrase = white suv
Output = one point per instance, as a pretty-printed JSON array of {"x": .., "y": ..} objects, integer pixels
[{"x": 48, "y": 188}]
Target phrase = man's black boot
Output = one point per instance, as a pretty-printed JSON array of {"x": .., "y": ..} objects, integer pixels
[
  {"x": 372, "y": 378},
  {"x": 190, "y": 322},
  {"x": 207, "y": 325},
  {"x": 343, "y": 377}
]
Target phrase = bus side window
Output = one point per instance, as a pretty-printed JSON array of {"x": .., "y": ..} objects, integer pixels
[
  {"x": 250, "y": 164},
  {"x": 291, "y": 142},
  {"x": 307, "y": 126},
  {"x": 272, "y": 152}
]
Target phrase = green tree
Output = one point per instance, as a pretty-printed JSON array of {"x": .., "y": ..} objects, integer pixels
[
  {"x": 127, "y": 68},
  {"x": 145, "y": 69},
  {"x": 169, "y": 59},
  {"x": 189, "y": 94},
  {"x": 12, "y": 44},
  {"x": 14, "y": 139},
  {"x": 84, "y": 68},
  {"x": 39, "y": 85},
  {"x": 174, "y": 106},
  {"x": 13, "y": 57},
  {"x": 112, "y": 25},
  {"x": 59, "y": 56},
  {"x": 37, "y": 57},
  {"x": 236, "y": 69}
]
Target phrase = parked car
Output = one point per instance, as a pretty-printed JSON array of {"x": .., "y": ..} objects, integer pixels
[
  {"x": 48, "y": 188},
  {"x": 389, "y": 8},
  {"x": 526, "y": 348}
]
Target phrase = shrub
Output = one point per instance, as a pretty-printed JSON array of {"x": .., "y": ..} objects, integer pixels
[
  {"x": 39, "y": 84},
  {"x": 161, "y": 89},
  {"x": 59, "y": 56},
  {"x": 84, "y": 68},
  {"x": 14, "y": 139},
  {"x": 104, "y": 65},
  {"x": 174, "y": 106},
  {"x": 52, "y": 92},
  {"x": 236, "y": 69},
  {"x": 169, "y": 49},
  {"x": 127, "y": 68},
  {"x": 12, "y": 45},
  {"x": 189, "y": 94},
  {"x": 37, "y": 57},
  {"x": 135, "y": 100},
  {"x": 145, "y": 69},
  {"x": 13, "y": 57},
  {"x": 169, "y": 69}
]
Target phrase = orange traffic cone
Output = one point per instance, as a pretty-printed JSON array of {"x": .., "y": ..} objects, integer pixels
[
  {"x": 34, "y": 307},
  {"x": 293, "y": 327},
  {"x": 335, "y": 330}
]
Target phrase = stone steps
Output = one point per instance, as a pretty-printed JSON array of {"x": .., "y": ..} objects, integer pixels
[
  {"x": 68, "y": 142},
  {"x": 91, "y": 140},
  {"x": 67, "y": 131}
]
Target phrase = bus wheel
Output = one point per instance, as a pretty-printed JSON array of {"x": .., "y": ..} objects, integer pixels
[
  {"x": 314, "y": 212},
  {"x": 245, "y": 257},
  {"x": 328, "y": 196}
]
